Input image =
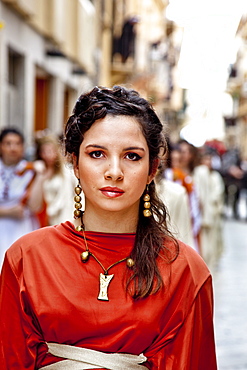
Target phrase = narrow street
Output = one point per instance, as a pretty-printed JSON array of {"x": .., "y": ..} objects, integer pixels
[{"x": 230, "y": 287}]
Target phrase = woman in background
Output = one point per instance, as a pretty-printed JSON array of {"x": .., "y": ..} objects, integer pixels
[
  {"x": 175, "y": 196},
  {"x": 175, "y": 172},
  {"x": 211, "y": 188},
  {"x": 189, "y": 158},
  {"x": 53, "y": 189}
]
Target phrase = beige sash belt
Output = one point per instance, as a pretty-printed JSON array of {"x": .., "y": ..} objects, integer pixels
[{"x": 78, "y": 358}]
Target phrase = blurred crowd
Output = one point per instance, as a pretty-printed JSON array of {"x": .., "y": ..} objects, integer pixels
[
  {"x": 201, "y": 186},
  {"x": 196, "y": 184}
]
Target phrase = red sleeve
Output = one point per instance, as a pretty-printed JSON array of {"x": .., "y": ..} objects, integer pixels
[
  {"x": 193, "y": 347},
  {"x": 19, "y": 331}
]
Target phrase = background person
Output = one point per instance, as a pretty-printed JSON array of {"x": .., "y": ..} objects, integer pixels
[
  {"x": 53, "y": 189},
  {"x": 176, "y": 198},
  {"x": 116, "y": 282},
  {"x": 210, "y": 186},
  {"x": 233, "y": 175},
  {"x": 16, "y": 176},
  {"x": 179, "y": 169}
]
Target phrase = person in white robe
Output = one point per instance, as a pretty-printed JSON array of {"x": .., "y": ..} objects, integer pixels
[
  {"x": 16, "y": 176},
  {"x": 210, "y": 187},
  {"x": 176, "y": 200}
]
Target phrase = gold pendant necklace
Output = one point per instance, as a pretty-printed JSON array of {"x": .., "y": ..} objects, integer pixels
[{"x": 105, "y": 278}]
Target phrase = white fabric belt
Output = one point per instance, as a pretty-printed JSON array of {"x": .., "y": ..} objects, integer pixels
[{"x": 78, "y": 358}]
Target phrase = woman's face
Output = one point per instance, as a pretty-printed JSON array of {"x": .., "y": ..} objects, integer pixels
[
  {"x": 113, "y": 165},
  {"x": 48, "y": 153},
  {"x": 11, "y": 149},
  {"x": 175, "y": 159},
  {"x": 186, "y": 155},
  {"x": 207, "y": 161}
]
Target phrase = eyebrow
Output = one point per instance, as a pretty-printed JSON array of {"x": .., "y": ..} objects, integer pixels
[{"x": 103, "y": 147}]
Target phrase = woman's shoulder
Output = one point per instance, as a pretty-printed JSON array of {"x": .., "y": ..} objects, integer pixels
[
  {"x": 37, "y": 242},
  {"x": 184, "y": 279},
  {"x": 30, "y": 240},
  {"x": 188, "y": 263},
  {"x": 190, "y": 256},
  {"x": 201, "y": 170}
]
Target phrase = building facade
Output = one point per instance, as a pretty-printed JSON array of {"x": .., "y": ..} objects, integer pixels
[
  {"x": 47, "y": 56},
  {"x": 236, "y": 122},
  {"x": 53, "y": 50}
]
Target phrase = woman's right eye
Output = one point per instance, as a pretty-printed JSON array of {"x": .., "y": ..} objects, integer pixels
[{"x": 96, "y": 154}]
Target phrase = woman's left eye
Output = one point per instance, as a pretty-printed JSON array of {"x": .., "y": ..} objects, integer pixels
[
  {"x": 96, "y": 154},
  {"x": 133, "y": 156}
]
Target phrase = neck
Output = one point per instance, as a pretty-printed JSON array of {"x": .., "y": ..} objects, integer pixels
[
  {"x": 9, "y": 163},
  {"x": 50, "y": 166},
  {"x": 110, "y": 222},
  {"x": 186, "y": 170}
]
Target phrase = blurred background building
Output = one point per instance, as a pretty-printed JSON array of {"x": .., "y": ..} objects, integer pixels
[
  {"x": 52, "y": 50},
  {"x": 236, "y": 120}
]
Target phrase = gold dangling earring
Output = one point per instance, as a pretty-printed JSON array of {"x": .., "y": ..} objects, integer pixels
[
  {"x": 147, "y": 205},
  {"x": 77, "y": 199}
]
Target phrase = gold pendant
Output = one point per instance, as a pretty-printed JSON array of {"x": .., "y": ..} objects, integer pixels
[{"x": 104, "y": 281}]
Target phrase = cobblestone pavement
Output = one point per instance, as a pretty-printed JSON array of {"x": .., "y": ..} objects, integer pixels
[{"x": 230, "y": 289}]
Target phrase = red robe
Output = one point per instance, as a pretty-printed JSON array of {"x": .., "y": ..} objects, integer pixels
[{"x": 49, "y": 295}]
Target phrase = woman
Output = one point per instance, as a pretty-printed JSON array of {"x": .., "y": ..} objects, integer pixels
[
  {"x": 174, "y": 172},
  {"x": 176, "y": 200},
  {"x": 53, "y": 188},
  {"x": 115, "y": 290},
  {"x": 210, "y": 187},
  {"x": 189, "y": 159},
  {"x": 16, "y": 176},
  {"x": 172, "y": 191}
]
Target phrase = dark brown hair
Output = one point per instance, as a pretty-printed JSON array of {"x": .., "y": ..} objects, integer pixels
[
  {"x": 11, "y": 130},
  {"x": 152, "y": 232}
]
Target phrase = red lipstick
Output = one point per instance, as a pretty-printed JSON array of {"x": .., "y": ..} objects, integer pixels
[{"x": 112, "y": 191}]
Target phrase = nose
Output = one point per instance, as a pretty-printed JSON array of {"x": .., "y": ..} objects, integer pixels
[
  {"x": 114, "y": 171},
  {"x": 14, "y": 146}
]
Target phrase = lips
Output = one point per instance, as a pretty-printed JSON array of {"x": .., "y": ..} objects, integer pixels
[{"x": 112, "y": 192}]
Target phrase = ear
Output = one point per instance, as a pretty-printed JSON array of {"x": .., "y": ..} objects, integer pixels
[
  {"x": 154, "y": 170},
  {"x": 75, "y": 165}
]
